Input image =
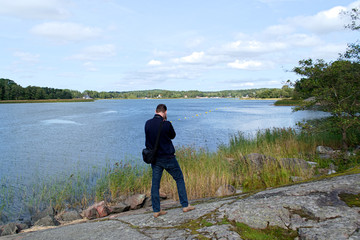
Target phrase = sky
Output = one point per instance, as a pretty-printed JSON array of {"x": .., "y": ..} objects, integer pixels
[{"x": 206, "y": 45}]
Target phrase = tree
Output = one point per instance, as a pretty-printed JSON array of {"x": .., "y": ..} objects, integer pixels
[{"x": 336, "y": 88}]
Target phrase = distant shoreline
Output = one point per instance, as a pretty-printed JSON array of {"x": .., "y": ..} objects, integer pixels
[
  {"x": 46, "y": 101},
  {"x": 92, "y": 100}
]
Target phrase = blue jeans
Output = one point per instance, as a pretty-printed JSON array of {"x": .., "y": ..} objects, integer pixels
[{"x": 171, "y": 165}]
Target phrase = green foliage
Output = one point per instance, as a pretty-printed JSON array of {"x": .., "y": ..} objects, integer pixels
[
  {"x": 288, "y": 102},
  {"x": 352, "y": 200},
  {"x": 158, "y": 93},
  {"x": 9, "y": 90},
  {"x": 284, "y": 92},
  {"x": 335, "y": 87},
  {"x": 123, "y": 179}
]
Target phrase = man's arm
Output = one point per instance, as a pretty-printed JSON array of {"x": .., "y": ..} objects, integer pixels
[{"x": 172, "y": 133}]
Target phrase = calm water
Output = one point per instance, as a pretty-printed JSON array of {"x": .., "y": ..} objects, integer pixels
[{"x": 57, "y": 138}]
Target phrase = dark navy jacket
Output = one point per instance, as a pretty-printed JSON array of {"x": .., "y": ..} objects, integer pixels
[{"x": 166, "y": 147}]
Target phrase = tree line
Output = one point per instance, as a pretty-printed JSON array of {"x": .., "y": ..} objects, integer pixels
[
  {"x": 285, "y": 92},
  {"x": 9, "y": 90}
]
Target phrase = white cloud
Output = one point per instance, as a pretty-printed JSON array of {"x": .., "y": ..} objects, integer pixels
[
  {"x": 34, "y": 9},
  {"x": 254, "y": 46},
  {"x": 98, "y": 52},
  {"x": 323, "y": 22},
  {"x": 66, "y": 31},
  {"x": 201, "y": 58},
  {"x": 195, "y": 57},
  {"x": 246, "y": 65},
  {"x": 154, "y": 63},
  {"x": 27, "y": 57}
]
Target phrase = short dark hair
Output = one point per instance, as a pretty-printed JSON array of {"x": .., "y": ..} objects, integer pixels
[{"x": 161, "y": 108}]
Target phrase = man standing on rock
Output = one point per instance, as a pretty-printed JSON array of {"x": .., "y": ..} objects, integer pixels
[{"x": 165, "y": 159}]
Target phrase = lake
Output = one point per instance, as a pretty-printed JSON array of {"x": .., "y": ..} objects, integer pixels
[
  {"x": 39, "y": 140},
  {"x": 53, "y": 138}
]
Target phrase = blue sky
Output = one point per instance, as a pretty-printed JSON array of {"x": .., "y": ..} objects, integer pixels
[{"x": 208, "y": 45}]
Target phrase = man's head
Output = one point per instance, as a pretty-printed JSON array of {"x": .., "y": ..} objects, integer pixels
[{"x": 161, "y": 109}]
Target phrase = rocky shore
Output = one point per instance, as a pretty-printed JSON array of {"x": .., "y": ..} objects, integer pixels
[{"x": 323, "y": 209}]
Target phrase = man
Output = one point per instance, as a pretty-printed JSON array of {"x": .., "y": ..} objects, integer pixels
[{"x": 165, "y": 159}]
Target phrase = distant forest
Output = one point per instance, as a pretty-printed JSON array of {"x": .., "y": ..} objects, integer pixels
[{"x": 9, "y": 90}]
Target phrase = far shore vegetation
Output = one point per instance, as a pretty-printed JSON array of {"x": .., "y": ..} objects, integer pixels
[
  {"x": 47, "y": 100},
  {"x": 11, "y": 91}
]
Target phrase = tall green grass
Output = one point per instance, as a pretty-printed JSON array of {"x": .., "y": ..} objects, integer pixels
[
  {"x": 205, "y": 171},
  {"x": 288, "y": 102},
  {"x": 123, "y": 179}
]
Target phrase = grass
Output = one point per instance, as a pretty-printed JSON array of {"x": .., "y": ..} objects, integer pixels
[
  {"x": 123, "y": 179},
  {"x": 288, "y": 102},
  {"x": 269, "y": 233},
  {"x": 352, "y": 200},
  {"x": 205, "y": 172}
]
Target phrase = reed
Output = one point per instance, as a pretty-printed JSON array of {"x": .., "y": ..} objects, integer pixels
[
  {"x": 123, "y": 179},
  {"x": 205, "y": 172}
]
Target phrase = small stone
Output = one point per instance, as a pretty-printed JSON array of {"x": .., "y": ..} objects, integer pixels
[
  {"x": 47, "y": 221},
  {"x": 324, "y": 150},
  {"x": 148, "y": 202},
  {"x": 295, "y": 163},
  {"x": 312, "y": 164},
  {"x": 259, "y": 160},
  {"x": 296, "y": 179},
  {"x": 9, "y": 229},
  {"x": 120, "y": 207},
  {"x": 225, "y": 190},
  {"x": 136, "y": 201},
  {"x": 68, "y": 216},
  {"x": 96, "y": 210},
  {"x": 102, "y": 210},
  {"x": 50, "y": 211},
  {"x": 22, "y": 226},
  {"x": 90, "y": 213}
]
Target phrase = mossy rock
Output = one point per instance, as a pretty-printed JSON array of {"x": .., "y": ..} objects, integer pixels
[
  {"x": 352, "y": 200},
  {"x": 268, "y": 233}
]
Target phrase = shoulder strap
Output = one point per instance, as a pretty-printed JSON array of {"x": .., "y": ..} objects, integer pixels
[{"x": 158, "y": 136}]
